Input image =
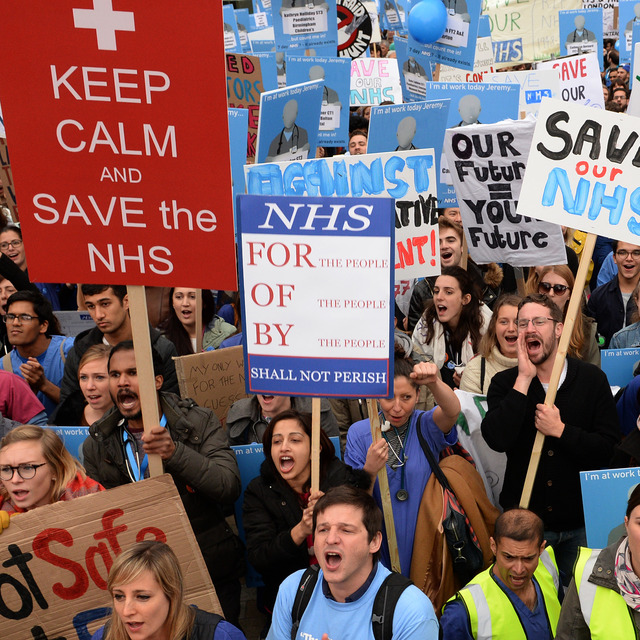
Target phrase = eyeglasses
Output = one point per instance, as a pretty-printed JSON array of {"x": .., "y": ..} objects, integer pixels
[
  {"x": 14, "y": 243},
  {"x": 25, "y": 471},
  {"x": 523, "y": 323},
  {"x": 621, "y": 253},
  {"x": 23, "y": 317},
  {"x": 558, "y": 289}
]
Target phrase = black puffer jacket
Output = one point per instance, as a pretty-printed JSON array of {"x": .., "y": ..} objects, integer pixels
[
  {"x": 271, "y": 509},
  {"x": 203, "y": 468}
]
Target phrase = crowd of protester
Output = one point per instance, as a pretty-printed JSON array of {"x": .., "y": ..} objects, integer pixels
[{"x": 468, "y": 329}]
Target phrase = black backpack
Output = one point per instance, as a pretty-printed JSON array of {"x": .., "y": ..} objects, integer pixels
[{"x": 383, "y": 606}]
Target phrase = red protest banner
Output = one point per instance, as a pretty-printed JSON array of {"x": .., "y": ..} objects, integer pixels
[{"x": 112, "y": 111}]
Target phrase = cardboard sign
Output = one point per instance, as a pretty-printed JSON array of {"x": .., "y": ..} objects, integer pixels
[
  {"x": 334, "y": 74},
  {"x": 579, "y": 79},
  {"x": 302, "y": 24},
  {"x": 457, "y": 45},
  {"x": 73, "y": 438},
  {"x": 471, "y": 103},
  {"x": 604, "y": 501},
  {"x": 487, "y": 164},
  {"x": 355, "y": 28},
  {"x": 415, "y": 125},
  {"x": 238, "y": 130},
  {"x": 56, "y": 558},
  {"x": 407, "y": 176},
  {"x": 102, "y": 123},
  {"x": 534, "y": 85},
  {"x": 629, "y": 15},
  {"x": 527, "y": 31},
  {"x": 314, "y": 325},
  {"x": 214, "y": 379},
  {"x": 581, "y": 171},
  {"x": 610, "y": 12},
  {"x": 74, "y": 322},
  {"x": 375, "y": 80},
  {"x": 581, "y": 32},
  {"x": 244, "y": 87},
  {"x": 288, "y": 128},
  {"x": 482, "y": 65},
  {"x": 618, "y": 364},
  {"x": 231, "y": 34}
]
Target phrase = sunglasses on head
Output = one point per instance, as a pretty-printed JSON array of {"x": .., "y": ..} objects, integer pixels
[{"x": 558, "y": 289}]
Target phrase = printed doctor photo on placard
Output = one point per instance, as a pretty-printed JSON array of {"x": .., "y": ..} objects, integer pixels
[
  {"x": 469, "y": 108},
  {"x": 580, "y": 33},
  {"x": 329, "y": 96},
  {"x": 457, "y": 8},
  {"x": 414, "y": 67},
  {"x": 636, "y": 18},
  {"x": 292, "y": 139},
  {"x": 405, "y": 133}
]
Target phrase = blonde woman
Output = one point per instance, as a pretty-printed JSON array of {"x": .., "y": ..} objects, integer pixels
[
  {"x": 36, "y": 470},
  {"x": 147, "y": 589}
]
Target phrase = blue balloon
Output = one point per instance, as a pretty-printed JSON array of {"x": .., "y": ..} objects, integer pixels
[
  {"x": 617, "y": 45},
  {"x": 427, "y": 21}
]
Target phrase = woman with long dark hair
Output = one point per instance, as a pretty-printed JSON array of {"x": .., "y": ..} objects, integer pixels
[
  {"x": 278, "y": 505},
  {"x": 449, "y": 331},
  {"x": 180, "y": 326}
]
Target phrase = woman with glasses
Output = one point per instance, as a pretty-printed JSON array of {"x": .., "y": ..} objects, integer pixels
[
  {"x": 449, "y": 331},
  {"x": 498, "y": 347},
  {"x": 60, "y": 296},
  {"x": 36, "y": 470},
  {"x": 556, "y": 282}
]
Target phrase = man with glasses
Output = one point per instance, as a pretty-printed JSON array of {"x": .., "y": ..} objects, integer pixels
[
  {"x": 580, "y": 429},
  {"x": 611, "y": 304},
  {"x": 39, "y": 352}
]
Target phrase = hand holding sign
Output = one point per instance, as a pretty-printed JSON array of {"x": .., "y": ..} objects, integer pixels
[{"x": 158, "y": 440}]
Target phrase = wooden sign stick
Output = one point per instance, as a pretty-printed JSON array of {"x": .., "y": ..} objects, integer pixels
[
  {"x": 315, "y": 444},
  {"x": 144, "y": 365},
  {"x": 385, "y": 494},
  {"x": 198, "y": 320},
  {"x": 520, "y": 280},
  {"x": 465, "y": 253},
  {"x": 575, "y": 307}
]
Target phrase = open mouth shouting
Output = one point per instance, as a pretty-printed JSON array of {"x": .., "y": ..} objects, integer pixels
[
  {"x": 332, "y": 561},
  {"x": 127, "y": 401},
  {"x": 286, "y": 464}
]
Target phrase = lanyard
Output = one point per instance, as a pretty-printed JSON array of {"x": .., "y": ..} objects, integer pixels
[{"x": 138, "y": 469}]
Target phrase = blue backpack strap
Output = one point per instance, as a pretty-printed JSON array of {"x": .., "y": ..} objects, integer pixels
[{"x": 303, "y": 595}]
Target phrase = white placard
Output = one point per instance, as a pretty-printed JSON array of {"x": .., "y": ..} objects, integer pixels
[
  {"x": 581, "y": 171},
  {"x": 299, "y": 21},
  {"x": 487, "y": 164},
  {"x": 579, "y": 79}
]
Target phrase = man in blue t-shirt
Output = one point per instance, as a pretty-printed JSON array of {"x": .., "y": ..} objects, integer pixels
[
  {"x": 347, "y": 527},
  {"x": 38, "y": 353}
]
